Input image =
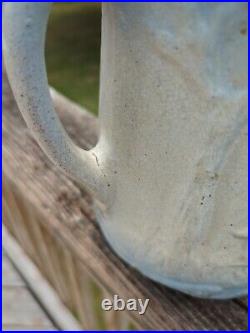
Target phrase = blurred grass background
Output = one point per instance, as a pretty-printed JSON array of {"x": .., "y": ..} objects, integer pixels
[{"x": 73, "y": 51}]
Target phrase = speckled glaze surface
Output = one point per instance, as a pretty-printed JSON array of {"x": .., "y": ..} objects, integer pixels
[{"x": 171, "y": 162}]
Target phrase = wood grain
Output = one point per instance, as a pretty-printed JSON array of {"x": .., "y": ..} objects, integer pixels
[
  {"x": 10, "y": 278},
  {"x": 20, "y": 309},
  {"x": 38, "y": 288},
  {"x": 65, "y": 212}
]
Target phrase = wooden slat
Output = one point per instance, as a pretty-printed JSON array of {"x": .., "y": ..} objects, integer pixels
[
  {"x": 20, "y": 309},
  {"x": 26, "y": 311},
  {"x": 65, "y": 208},
  {"x": 10, "y": 277},
  {"x": 18, "y": 328}
]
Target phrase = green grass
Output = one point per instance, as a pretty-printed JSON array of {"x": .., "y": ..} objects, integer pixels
[{"x": 73, "y": 51}]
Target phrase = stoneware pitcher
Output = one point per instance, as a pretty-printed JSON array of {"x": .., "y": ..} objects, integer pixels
[{"x": 170, "y": 166}]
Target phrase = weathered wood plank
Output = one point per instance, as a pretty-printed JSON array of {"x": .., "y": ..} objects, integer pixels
[
  {"x": 243, "y": 302},
  {"x": 18, "y": 328},
  {"x": 17, "y": 308},
  {"x": 10, "y": 277},
  {"x": 65, "y": 208},
  {"x": 20, "y": 308}
]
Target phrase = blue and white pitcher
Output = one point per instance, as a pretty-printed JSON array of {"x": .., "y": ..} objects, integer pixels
[{"x": 171, "y": 162}]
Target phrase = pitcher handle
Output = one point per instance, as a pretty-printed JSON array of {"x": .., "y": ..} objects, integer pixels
[{"x": 24, "y": 27}]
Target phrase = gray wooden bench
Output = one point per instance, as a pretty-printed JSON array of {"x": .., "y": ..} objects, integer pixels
[{"x": 52, "y": 219}]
